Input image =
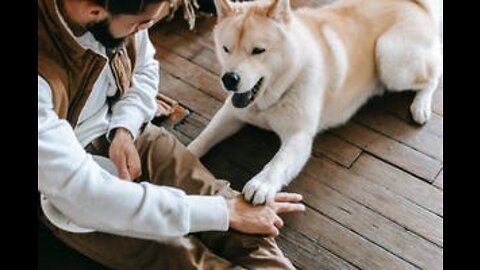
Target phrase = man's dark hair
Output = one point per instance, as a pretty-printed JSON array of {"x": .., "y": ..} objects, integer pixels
[{"x": 132, "y": 7}]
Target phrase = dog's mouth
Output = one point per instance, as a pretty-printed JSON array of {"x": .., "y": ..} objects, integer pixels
[{"x": 242, "y": 100}]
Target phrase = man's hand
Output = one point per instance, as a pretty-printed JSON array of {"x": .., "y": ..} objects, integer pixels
[
  {"x": 262, "y": 219},
  {"x": 124, "y": 154}
]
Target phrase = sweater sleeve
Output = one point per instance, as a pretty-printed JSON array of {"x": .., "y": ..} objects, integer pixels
[{"x": 138, "y": 105}]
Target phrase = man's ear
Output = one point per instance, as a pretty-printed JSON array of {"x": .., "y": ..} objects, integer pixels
[
  {"x": 223, "y": 8},
  {"x": 280, "y": 10}
]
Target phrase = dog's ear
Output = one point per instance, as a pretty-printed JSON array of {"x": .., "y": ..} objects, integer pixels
[
  {"x": 280, "y": 10},
  {"x": 223, "y": 8}
]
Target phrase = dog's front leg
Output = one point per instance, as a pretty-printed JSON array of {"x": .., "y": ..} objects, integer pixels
[
  {"x": 223, "y": 124},
  {"x": 285, "y": 165}
]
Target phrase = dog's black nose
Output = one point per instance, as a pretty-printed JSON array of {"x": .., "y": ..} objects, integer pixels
[{"x": 230, "y": 81}]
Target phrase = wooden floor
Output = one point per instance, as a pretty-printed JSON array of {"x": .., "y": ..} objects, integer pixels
[{"x": 374, "y": 187}]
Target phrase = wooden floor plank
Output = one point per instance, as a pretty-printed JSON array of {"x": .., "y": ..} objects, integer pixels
[
  {"x": 399, "y": 182},
  {"x": 336, "y": 149},
  {"x": 185, "y": 140},
  {"x": 390, "y": 150},
  {"x": 439, "y": 181},
  {"x": 206, "y": 58},
  {"x": 367, "y": 223},
  {"x": 345, "y": 243},
  {"x": 398, "y": 104},
  {"x": 396, "y": 208},
  {"x": 412, "y": 135},
  {"x": 195, "y": 100},
  {"x": 192, "y": 126},
  {"x": 182, "y": 46},
  {"x": 191, "y": 74},
  {"x": 202, "y": 32},
  {"x": 307, "y": 254}
]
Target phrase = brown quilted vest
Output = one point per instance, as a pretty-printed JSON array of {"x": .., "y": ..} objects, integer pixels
[{"x": 71, "y": 70}]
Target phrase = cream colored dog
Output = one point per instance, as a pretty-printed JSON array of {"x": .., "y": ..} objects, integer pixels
[{"x": 300, "y": 72}]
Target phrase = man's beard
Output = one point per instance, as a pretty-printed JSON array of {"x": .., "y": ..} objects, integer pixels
[{"x": 101, "y": 32}]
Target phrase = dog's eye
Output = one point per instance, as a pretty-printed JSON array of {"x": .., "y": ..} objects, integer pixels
[
  {"x": 226, "y": 49},
  {"x": 257, "y": 50}
]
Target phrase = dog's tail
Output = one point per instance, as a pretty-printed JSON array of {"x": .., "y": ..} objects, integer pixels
[{"x": 433, "y": 7}]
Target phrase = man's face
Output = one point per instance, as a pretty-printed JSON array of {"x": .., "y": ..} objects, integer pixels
[{"x": 113, "y": 31}]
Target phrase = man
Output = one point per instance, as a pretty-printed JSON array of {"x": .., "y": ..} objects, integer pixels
[{"x": 97, "y": 81}]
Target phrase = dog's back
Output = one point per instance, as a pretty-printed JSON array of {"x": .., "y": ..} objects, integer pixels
[{"x": 348, "y": 32}]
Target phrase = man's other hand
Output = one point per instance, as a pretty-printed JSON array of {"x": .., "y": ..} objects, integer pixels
[{"x": 124, "y": 154}]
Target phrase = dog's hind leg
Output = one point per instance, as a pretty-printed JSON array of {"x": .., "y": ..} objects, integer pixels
[
  {"x": 420, "y": 108},
  {"x": 409, "y": 59}
]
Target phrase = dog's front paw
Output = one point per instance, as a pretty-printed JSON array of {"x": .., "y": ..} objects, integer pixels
[
  {"x": 421, "y": 111},
  {"x": 259, "y": 190}
]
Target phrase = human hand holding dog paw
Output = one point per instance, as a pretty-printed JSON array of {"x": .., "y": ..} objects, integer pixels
[
  {"x": 262, "y": 219},
  {"x": 260, "y": 190}
]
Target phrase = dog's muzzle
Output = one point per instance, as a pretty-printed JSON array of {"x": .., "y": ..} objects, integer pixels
[{"x": 242, "y": 100}]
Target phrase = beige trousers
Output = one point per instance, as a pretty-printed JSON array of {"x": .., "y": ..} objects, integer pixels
[{"x": 165, "y": 161}]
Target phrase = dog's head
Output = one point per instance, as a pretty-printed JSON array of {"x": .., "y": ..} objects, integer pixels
[{"x": 252, "y": 46}]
